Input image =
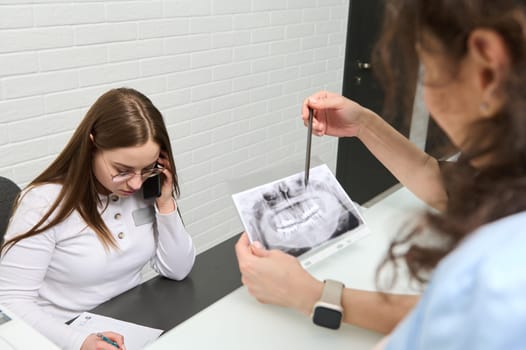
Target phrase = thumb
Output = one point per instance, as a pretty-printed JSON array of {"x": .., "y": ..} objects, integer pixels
[{"x": 258, "y": 249}]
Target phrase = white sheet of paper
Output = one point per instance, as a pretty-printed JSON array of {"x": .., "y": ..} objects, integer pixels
[{"x": 136, "y": 337}]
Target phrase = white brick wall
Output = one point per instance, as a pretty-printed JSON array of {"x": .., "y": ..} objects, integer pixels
[{"x": 229, "y": 77}]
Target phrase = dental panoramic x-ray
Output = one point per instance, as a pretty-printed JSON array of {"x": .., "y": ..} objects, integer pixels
[{"x": 286, "y": 215}]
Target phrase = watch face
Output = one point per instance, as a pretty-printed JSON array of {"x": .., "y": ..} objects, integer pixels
[{"x": 326, "y": 317}]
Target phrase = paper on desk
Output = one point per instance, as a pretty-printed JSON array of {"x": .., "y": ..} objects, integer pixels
[{"x": 136, "y": 337}]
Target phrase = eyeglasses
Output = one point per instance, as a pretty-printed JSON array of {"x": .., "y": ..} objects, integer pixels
[{"x": 127, "y": 175}]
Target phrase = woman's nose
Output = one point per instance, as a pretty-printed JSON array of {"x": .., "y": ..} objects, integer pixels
[{"x": 135, "y": 182}]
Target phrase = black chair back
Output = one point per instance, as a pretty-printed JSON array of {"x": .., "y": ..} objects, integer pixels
[{"x": 8, "y": 192}]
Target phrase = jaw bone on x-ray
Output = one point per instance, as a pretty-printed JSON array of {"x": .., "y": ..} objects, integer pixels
[{"x": 286, "y": 215}]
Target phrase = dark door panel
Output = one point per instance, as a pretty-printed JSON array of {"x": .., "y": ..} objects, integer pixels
[{"x": 361, "y": 175}]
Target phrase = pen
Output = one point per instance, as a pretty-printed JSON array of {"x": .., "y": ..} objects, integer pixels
[
  {"x": 309, "y": 140},
  {"x": 107, "y": 340}
]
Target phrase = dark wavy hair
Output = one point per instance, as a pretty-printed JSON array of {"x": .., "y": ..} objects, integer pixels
[
  {"x": 476, "y": 196},
  {"x": 119, "y": 118}
]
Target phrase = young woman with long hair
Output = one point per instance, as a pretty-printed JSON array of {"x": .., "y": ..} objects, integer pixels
[{"x": 82, "y": 231}]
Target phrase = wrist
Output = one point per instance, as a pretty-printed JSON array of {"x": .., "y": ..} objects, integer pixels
[
  {"x": 366, "y": 119},
  {"x": 166, "y": 206},
  {"x": 310, "y": 297}
]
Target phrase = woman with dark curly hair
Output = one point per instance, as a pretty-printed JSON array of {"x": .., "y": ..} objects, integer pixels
[{"x": 472, "y": 58}]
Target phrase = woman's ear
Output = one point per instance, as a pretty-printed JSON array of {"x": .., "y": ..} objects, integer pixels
[
  {"x": 91, "y": 137},
  {"x": 490, "y": 55}
]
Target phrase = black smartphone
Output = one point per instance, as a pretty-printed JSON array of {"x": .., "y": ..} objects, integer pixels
[{"x": 151, "y": 188}]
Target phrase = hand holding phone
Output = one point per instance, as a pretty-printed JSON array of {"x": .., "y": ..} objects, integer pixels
[
  {"x": 151, "y": 187},
  {"x": 161, "y": 187}
]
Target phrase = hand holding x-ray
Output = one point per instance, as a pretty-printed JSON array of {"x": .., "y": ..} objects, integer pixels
[{"x": 288, "y": 216}]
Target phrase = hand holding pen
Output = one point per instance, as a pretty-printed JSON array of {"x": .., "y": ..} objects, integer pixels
[
  {"x": 335, "y": 115},
  {"x": 104, "y": 341},
  {"x": 108, "y": 340}
]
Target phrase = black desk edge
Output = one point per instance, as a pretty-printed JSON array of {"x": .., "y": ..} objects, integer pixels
[{"x": 163, "y": 303}]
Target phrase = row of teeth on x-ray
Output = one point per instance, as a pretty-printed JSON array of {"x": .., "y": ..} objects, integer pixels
[{"x": 287, "y": 220}]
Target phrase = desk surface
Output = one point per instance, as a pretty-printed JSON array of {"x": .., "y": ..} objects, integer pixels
[
  {"x": 163, "y": 303},
  {"x": 16, "y": 334},
  {"x": 238, "y": 321}
]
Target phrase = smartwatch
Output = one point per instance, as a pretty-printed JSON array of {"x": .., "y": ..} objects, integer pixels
[{"x": 328, "y": 311}]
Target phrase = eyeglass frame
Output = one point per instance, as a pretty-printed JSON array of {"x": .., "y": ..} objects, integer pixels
[{"x": 145, "y": 174}]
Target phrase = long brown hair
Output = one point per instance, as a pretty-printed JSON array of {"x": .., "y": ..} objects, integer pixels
[
  {"x": 476, "y": 196},
  {"x": 119, "y": 118}
]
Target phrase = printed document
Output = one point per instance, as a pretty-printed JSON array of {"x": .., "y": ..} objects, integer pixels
[{"x": 136, "y": 337}]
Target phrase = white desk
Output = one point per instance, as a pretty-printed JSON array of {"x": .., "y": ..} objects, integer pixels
[
  {"x": 238, "y": 321},
  {"x": 15, "y": 334}
]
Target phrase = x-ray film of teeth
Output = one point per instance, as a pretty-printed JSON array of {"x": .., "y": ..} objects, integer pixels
[{"x": 286, "y": 215}]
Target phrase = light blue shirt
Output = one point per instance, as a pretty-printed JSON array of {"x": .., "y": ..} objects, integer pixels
[{"x": 476, "y": 298}]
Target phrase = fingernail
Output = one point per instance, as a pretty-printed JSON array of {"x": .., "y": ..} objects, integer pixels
[
  {"x": 313, "y": 100},
  {"x": 257, "y": 245}
]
